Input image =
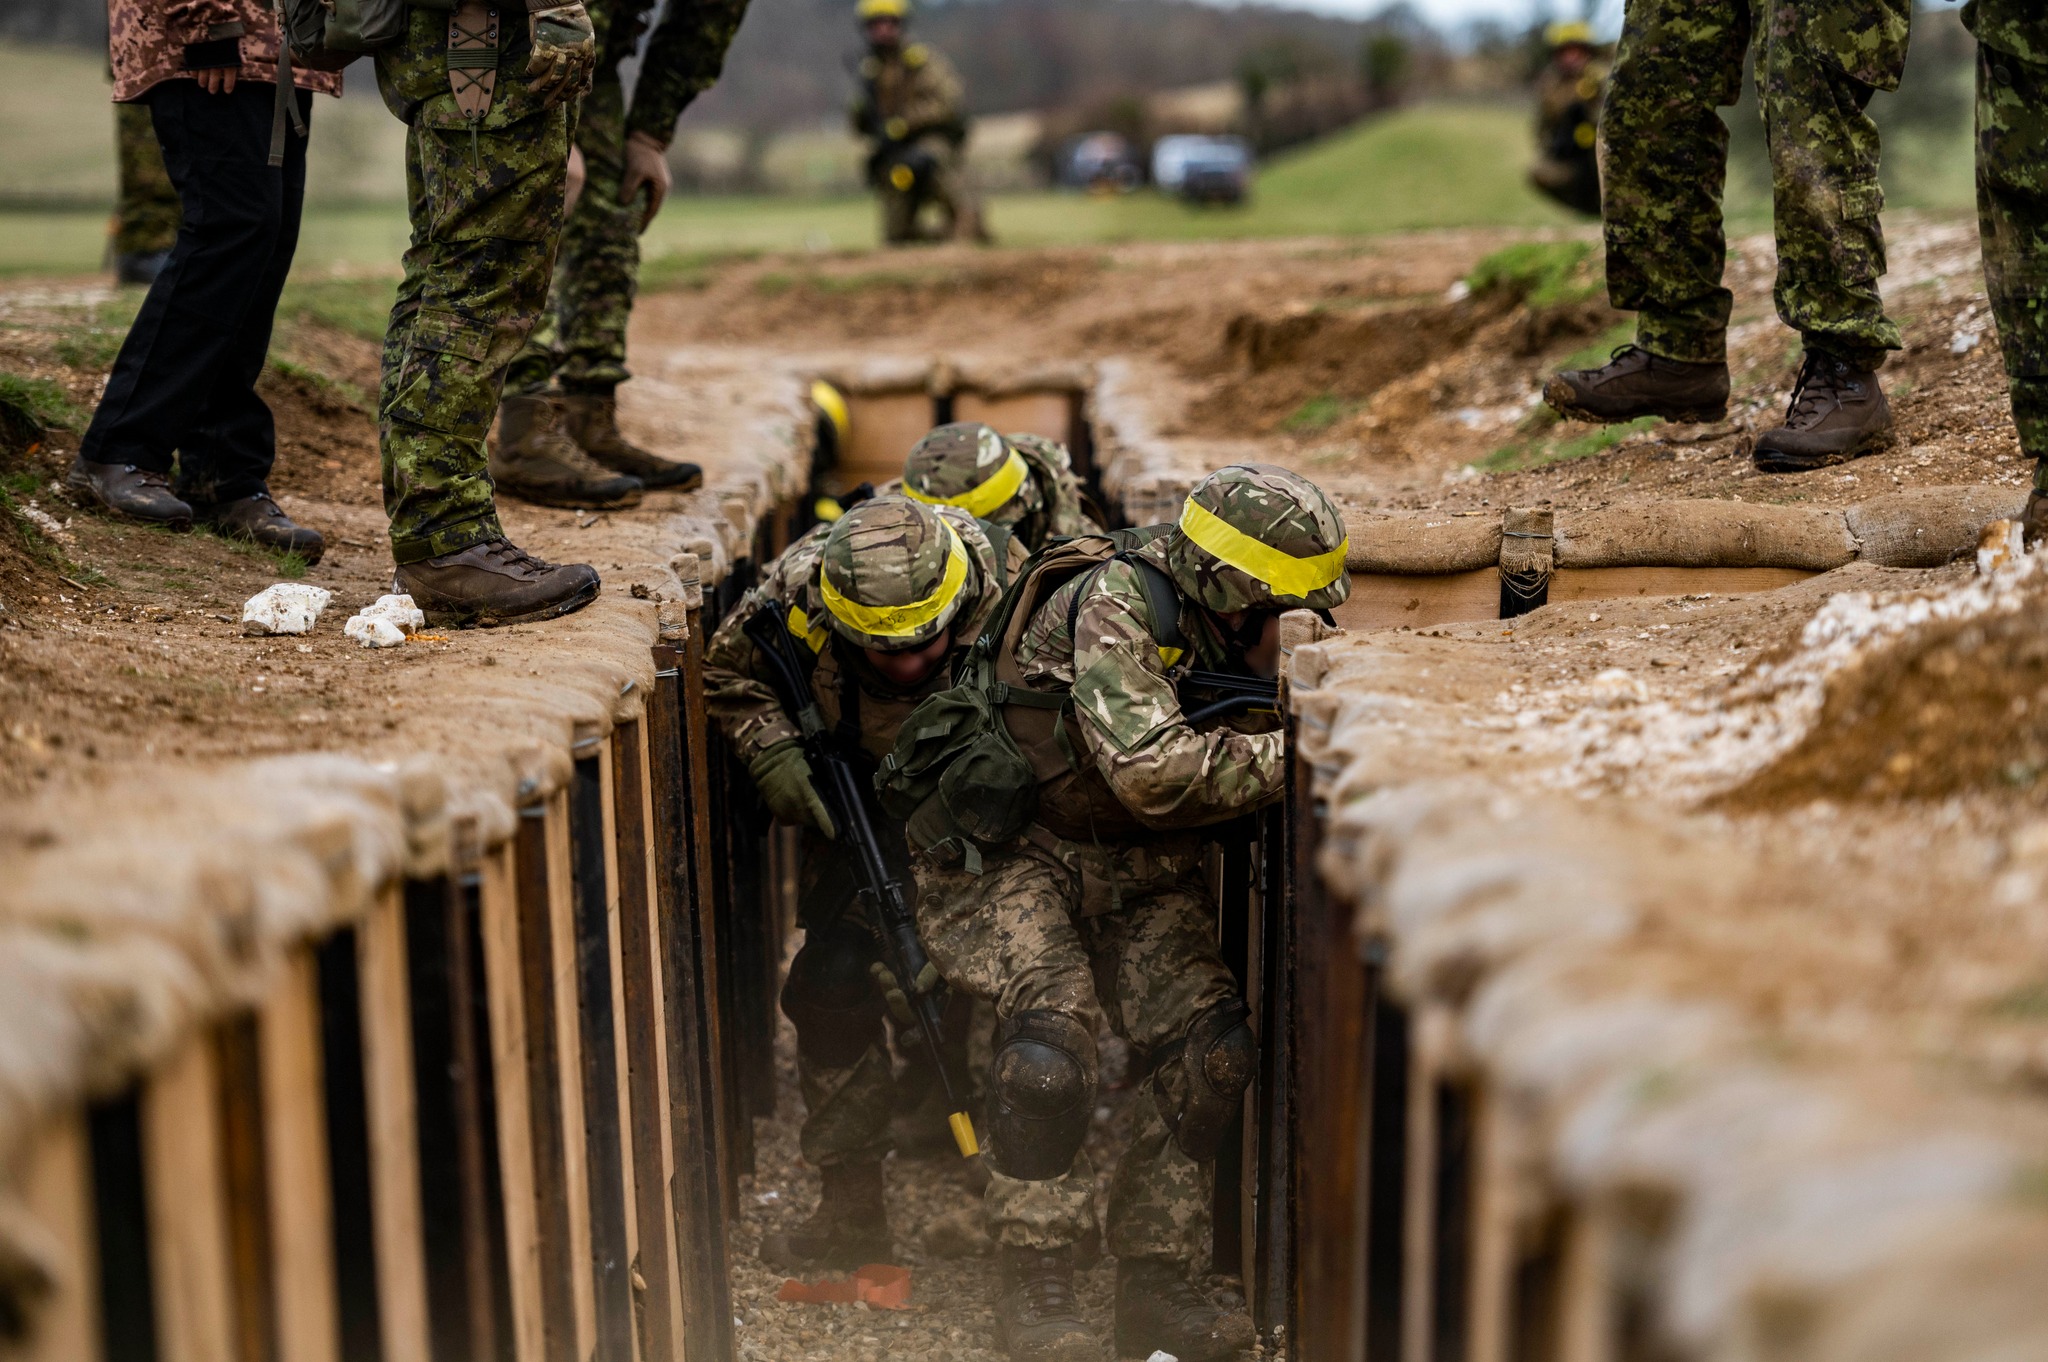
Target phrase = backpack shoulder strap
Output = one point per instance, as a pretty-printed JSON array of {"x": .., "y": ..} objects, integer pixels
[
  {"x": 1164, "y": 603},
  {"x": 999, "y": 540}
]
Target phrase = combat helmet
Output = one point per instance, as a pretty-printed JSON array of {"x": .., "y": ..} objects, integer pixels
[
  {"x": 864, "y": 10},
  {"x": 1568, "y": 33},
  {"x": 969, "y": 466},
  {"x": 1256, "y": 537},
  {"x": 892, "y": 574}
]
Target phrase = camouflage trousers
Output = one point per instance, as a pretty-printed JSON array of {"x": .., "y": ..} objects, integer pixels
[
  {"x": 948, "y": 189},
  {"x": 1664, "y": 160},
  {"x": 486, "y": 207},
  {"x": 146, "y": 220},
  {"x": 2012, "y": 205},
  {"x": 581, "y": 338},
  {"x": 1015, "y": 934}
]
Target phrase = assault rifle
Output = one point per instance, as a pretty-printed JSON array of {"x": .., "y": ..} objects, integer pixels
[
  {"x": 1226, "y": 693},
  {"x": 881, "y": 890}
]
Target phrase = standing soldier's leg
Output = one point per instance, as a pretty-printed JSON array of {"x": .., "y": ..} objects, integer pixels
[
  {"x": 1008, "y": 935},
  {"x": 1826, "y": 198},
  {"x": 953, "y": 190},
  {"x": 1176, "y": 1001},
  {"x": 487, "y": 209},
  {"x": 899, "y": 216},
  {"x": 146, "y": 220},
  {"x": 1664, "y": 159},
  {"x": 2012, "y": 204}
]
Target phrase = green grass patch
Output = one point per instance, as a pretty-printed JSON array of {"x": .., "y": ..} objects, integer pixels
[
  {"x": 1524, "y": 455},
  {"x": 290, "y": 564},
  {"x": 90, "y": 348},
  {"x": 691, "y": 270},
  {"x": 43, "y": 399},
  {"x": 1540, "y": 273},
  {"x": 361, "y": 307},
  {"x": 16, "y": 488},
  {"x": 339, "y": 388},
  {"x": 2028, "y": 1002},
  {"x": 1317, "y": 414}
]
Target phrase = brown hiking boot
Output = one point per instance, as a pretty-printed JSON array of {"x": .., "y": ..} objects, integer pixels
[
  {"x": 1038, "y": 1316},
  {"x": 1635, "y": 383},
  {"x": 1838, "y": 413},
  {"x": 592, "y": 421},
  {"x": 261, "y": 519},
  {"x": 536, "y": 462},
  {"x": 127, "y": 490},
  {"x": 494, "y": 583},
  {"x": 1159, "y": 1310},
  {"x": 2034, "y": 520},
  {"x": 849, "y": 1229}
]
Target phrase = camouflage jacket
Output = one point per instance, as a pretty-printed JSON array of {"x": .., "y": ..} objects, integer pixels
[
  {"x": 146, "y": 42},
  {"x": 1168, "y": 775},
  {"x": 1062, "y": 512},
  {"x": 1564, "y": 102},
  {"x": 2016, "y": 27},
  {"x": 917, "y": 88},
  {"x": 743, "y": 704},
  {"x": 682, "y": 60}
]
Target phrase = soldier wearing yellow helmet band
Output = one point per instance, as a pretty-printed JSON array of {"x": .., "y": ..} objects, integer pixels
[
  {"x": 910, "y": 108},
  {"x": 1098, "y": 914},
  {"x": 1568, "y": 94},
  {"x": 1023, "y": 484},
  {"x": 882, "y": 601}
]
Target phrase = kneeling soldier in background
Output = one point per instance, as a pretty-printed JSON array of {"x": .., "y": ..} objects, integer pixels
[
  {"x": 1022, "y": 484},
  {"x": 883, "y": 599},
  {"x": 1105, "y": 886}
]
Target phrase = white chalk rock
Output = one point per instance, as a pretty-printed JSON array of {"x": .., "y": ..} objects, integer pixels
[
  {"x": 373, "y": 631},
  {"x": 1162, "y": 1355},
  {"x": 287, "y": 608},
  {"x": 400, "y": 610}
]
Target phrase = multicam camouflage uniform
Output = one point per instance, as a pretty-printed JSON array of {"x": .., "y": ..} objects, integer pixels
[
  {"x": 965, "y": 465},
  {"x": 847, "y": 1085},
  {"x": 2012, "y": 201},
  {"x": 146, "y": 220},
  {"x": 1100, "y": 912},
  {"x": 581, "y": 338},
  {"x": 1664, "y": 158},
  {"x": 1567, "y": 117},
  {"x": 486, "y": 199},
  {"x": 911, "y": 104}
]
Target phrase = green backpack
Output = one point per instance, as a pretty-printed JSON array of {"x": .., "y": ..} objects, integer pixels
[
  {"x": 966, "y": 769},
  {"x": 326, "y": 35}
]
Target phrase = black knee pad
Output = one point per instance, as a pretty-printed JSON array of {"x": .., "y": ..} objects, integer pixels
[
  {"x": 1041, "y": 1094},
  {"x": 832, "y": 999},
  {"x": 1199, "y": 1080}
]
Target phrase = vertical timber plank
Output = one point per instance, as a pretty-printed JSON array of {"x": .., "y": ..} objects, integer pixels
[
  {"x": 1586, "y": 1330},
  {"x": 57, "y": 1193},
  {"x": 190, "y": 1256},
  {"x": 551, "y": 1265},
  {"x": 498, "y": 925},
  {"x": 1490, "y": 1286},
  {"x": 1418, "y": 1248},
  {"x": 562, "y": 927},
  {"x": 394, "y": 1151},
  {"x": 302, "y": 1209}
]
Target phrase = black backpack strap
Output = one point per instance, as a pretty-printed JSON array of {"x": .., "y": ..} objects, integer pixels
[
  {"x": 1162, "y": 600},
  {"x": 999, "y": 537}
]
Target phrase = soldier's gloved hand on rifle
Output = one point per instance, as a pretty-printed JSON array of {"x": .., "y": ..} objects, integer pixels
[
  {"x": 564, "y": 49},
  {"x": 893, "y": 994},
  {"x": 783, "y": 776}
]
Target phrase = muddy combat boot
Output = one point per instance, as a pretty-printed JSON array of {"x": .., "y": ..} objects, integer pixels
[
  {"x": 127, "y": 490},
  {"x": 1636, "y": 383},
  {"x": 261, "y": 520},
  {"x": 494, "y": 583},
  {"x": 592, "y": 421},
  {"x": 1038, "y": 1316},
  {"x": 536, "y": 462},
  {"x": 1838, "y": 413},
  {"x": 849, "y": 1229},
  {"x": 1159, "y": 1310},
  {"x": 2034, "y": 520}
]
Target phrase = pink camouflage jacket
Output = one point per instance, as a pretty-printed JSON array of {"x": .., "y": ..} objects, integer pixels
[{"x": 148, "y": 42}]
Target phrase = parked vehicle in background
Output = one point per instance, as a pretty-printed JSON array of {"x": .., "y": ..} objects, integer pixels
[
  {"x": 1103, "y": 162},
  {"x": 1203, "y": 169}
]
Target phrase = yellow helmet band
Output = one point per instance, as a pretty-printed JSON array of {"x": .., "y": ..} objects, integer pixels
[
  {"x": 988, "y": 497},
  {"x": 827, "y": 399},
  {"x": 881, "y": 9},
  {"x": 900, "y": 621},
  {"x": 1283, "y": 573}
]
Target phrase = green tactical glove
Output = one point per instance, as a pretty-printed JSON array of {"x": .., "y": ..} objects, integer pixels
[
  {"x": 892, "y": 993},
  {"x": 564, "y": 49},
  {"x": 783, "y": 776}
]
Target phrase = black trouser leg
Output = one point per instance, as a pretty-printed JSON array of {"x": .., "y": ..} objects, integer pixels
[{"x": 185, "y": 380}]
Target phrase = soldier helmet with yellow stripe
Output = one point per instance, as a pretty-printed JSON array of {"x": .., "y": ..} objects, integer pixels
[
  {"x": 969, "y": 466},
  {"x": 893, "y": 574},
  {"x": 1257, "y": 537},
  {"x": 1569, "y": 33},
  {"x": 868, "y": 10}
]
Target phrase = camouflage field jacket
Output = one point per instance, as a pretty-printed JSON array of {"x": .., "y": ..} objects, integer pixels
[{"x": 146, "y": 42}]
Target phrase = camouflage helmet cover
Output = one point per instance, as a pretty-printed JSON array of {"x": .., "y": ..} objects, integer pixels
[
  {"x": 1257, "y": 537},
  {"x": 969, "y": 466},
  {"x": 892, "y": 574}
]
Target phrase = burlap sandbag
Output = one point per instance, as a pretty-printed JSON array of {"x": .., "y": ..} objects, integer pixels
[
  {"x": 1421, "y": 544},
  {"x": 1927, "y": 526},
  {"x": 1704, "y": 534}
]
